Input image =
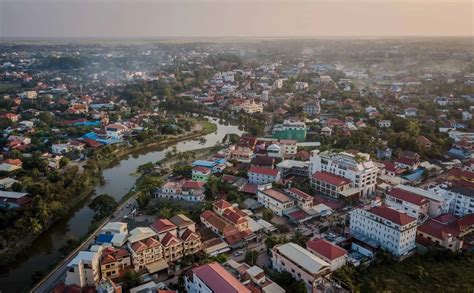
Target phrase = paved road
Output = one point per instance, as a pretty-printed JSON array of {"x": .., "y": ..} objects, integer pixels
[{"x": 59, "y": 273}]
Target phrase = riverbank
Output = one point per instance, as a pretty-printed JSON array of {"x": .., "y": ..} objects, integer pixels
[
  {"x": 118, "y": 179},
  {"x": 104, "y": 159}
]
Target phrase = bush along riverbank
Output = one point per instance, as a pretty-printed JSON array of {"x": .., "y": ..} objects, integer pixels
[{"x": 55, "y": 193}]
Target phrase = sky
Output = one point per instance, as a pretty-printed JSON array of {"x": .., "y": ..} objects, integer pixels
[{"x": 234, "y": 18}]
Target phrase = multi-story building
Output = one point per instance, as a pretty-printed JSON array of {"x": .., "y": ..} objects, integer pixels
[
  {"x": 356, "y": 167},
  {"x": 262, "y": 175},
  {"x": 460, "y": 200},
  {"x": 201, "y": 174},
  {"x": 177, "y": 236},
  {"x": 312, "y": 108},
  {"x": 334, "y": 255},
  {"x": 114, "y": 262},
  {"x": 186, "y": 190},
  {"x": 274, "y": 199},
  {"x": 290, "y": 130},
  {"x": 333, "y": 185},
  {"x": 231, "y": 214},
  {"x": 407, "y": 202},
  {"x": 84, "y": 269},
  {"x": 144, "y": 247},
  {"x": 211, "y": 278},
  {"x": 186, "y": 230},
  {"x": 391, "y": 229},
  {"x": 241, "y": 154},
  {"x": 303, "y": 200},
  {"x": 293, "y": 167},
  {"x": 300, "y": 263}
]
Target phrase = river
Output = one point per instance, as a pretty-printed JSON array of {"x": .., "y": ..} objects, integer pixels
[{"x": 45, "y": 251}]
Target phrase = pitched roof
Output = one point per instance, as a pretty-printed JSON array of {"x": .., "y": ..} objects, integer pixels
[
  {"x": 170, "y": 239},
  {"x": 162, "y": 225},
  {"x": 263, "y": 170},
  {"x": 301, "y": 194},
  {"x": 325, "y": 248},
  {"x": 222, "y": 204},
  {"x": 219, "y": 279},
  {"x": 408, "y": 196},
  {"x": 189, "y": 184},
  {"x": 331, "y": 178},
  {"x": 392, "y": 215},
  {"x": 201, "y": 169}
]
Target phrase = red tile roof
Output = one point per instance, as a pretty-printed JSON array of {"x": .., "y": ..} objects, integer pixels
[
  {"x": 202, "y": 169},
  {"x": 331, "y": 178},
  {"x": 408, "y": 196},
  {"x": 219, "y": 279},
  {"x": 222, "y": 204},
  {"x": 392, "y": 215},
  {"x": 162, "y": 225},
  {"x": 301, "y": 194},
  {"x": 325, "y": 248},
  {"x": 298, "y": 215},
  {"x": 170, "y": 239},
  {"x": 263, "y": 170},
  {"x": 189, "y": 184},
  {"x": 439, "y": 230}
]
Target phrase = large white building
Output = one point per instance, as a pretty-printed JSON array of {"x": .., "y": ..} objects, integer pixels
[
  {"x": 358, "y": 168},
  {"x": 391, "y": 229},
  {"x": 460, "y": 200},
  {"x": 300, "y": 263},
  {"x": 84, "y": 269}
]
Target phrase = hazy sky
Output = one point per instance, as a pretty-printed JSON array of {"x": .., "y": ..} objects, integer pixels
[{"x": 232, "y": 18}]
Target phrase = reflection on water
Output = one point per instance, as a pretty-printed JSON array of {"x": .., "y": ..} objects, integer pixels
[{"x": 44, "y": 253}]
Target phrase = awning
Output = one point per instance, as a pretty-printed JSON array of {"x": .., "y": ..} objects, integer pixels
[{"x": 156, "y": 266}]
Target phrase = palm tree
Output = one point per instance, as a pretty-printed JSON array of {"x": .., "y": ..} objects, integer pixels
[{"x": 35, "y": 225}]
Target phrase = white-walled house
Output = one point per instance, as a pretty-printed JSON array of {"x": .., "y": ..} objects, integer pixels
[
  {"x": 262, "y": 175},
  {"x": 84, "y": 269}
]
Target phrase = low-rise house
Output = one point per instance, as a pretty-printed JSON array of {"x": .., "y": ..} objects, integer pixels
[
  {"x": 391, "y": 229},
  {"x": 300, "y": 263},
  {"x": 116, "y": 130},
  {"x": 253, "y": 277},
  {"x": 262, "y": 175},
  {"x": 13, "y": 199},
  {"x": 408, "y": 160},
  {"x": 410, "y": 112},
  {"x": 447, "y": 230},
  {"x": 334, "y": 255},
  {"x": 424, "y": 142},
  {"x": 384, "y": 123}
]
